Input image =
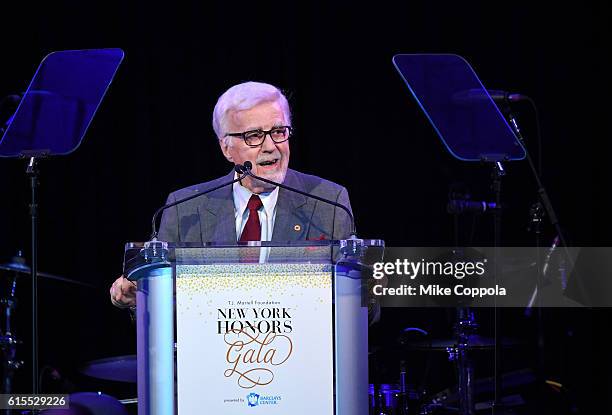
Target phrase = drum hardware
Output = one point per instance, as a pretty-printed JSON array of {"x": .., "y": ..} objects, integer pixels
[
  {"x": 19, "y": 267},
  {"x": 383, "y": 399},
  {"x": 403, "y": 389},
  {"x": 119, "y": 369},
  {"x": 458, "y": 352},
  {"x": 466, "y": 326},
  {"x": 395, "y": 399},
  {"x": 8, "y": 341},
  {"x": 473, "y": 342},
  {"x": 511, "y": 380}
]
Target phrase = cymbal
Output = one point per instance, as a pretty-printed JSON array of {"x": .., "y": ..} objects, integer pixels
[
  {"x": 475, "y": 342},
  {"x": 21, "y": 268},
  {"x": 119, "y": 368}
]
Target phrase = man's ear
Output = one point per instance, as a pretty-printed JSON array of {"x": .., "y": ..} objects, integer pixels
[{"x": 224, "y": 144}]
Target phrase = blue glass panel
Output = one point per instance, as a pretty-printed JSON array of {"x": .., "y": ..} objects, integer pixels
[
  {"x": 60, "y": 102},
  {"x": 458, "y": 106}
]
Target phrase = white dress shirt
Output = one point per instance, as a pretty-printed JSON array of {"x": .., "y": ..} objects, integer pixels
[{"x": 267, "y": 213}]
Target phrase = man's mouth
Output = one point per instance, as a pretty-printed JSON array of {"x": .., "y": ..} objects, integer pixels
[{"x": 268, "y": 163}]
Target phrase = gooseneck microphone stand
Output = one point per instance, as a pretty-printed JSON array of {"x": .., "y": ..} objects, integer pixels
[
  {"x": 544, "y": 206},
  {"x": 542, "y": 193},
  {"x": 238, "y": 168}
]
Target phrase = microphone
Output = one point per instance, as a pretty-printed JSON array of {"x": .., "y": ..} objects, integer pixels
[
  {"x": 238, "y": 169},
  {"x": 475, "y": 95},
  {"x": 248, "y": 166}
]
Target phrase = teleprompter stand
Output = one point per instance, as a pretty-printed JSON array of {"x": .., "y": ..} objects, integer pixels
[
  {"x": 473, "y": 129},
  {"x": 51, "y": 120}
]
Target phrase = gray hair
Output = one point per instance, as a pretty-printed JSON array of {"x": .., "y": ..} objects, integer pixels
[{"x": 244, "y": 97}]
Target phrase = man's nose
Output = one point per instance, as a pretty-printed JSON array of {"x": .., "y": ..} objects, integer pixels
[{"x": 268, "y": 144}]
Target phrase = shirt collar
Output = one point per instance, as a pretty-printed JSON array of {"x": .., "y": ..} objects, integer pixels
[{"x": 242, "y": 196}]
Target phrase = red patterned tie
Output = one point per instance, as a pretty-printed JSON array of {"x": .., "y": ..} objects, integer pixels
[{"x": 252, "y": 229}]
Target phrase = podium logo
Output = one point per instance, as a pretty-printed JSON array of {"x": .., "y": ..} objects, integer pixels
[
  {"x": 254, "y": 320},
  {"x": 253, "y": 399},
  {"x": 252, "y": 357}
]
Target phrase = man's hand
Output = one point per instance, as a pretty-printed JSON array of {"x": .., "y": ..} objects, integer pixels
[{"x": 123, "y": 293}]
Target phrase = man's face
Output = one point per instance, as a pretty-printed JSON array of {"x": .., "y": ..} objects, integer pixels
[{"x": 270, "y": 159}]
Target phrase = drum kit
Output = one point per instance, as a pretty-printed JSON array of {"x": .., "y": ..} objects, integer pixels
[
  {"x": 13, "y": 272},
  {"x": 12, "y": 275},
  {"x": 402, "y": 398}
]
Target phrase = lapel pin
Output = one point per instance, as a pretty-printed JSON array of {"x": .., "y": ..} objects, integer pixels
[{"x": 297, "y": 228}]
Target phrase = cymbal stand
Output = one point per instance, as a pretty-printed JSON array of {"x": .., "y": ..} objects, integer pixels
[
  {"x": 8, "y": 342},
  {"x": 459, "y": 353}
]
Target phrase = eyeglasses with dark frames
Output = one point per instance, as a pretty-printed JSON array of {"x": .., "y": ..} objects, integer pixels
[{"x": 255, "y": 138}]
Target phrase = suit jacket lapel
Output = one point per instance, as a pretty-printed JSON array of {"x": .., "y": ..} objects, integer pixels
[
  {"x": 292, "y": 212},
  {"x": 217, "y": 219}
]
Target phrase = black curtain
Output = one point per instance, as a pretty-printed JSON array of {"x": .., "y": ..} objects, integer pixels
[{"x": 355, "y": 123}]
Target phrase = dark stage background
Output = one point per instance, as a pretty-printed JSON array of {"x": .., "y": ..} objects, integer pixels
[{"x": 356, "y": 124}]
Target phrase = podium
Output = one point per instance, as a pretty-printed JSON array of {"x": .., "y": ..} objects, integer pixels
[{"x": 256, "y": 327}]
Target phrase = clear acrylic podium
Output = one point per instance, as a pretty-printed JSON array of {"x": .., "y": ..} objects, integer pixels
[{"x": 226, "y": 328}]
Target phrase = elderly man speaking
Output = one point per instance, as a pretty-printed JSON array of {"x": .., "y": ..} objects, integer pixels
[{"x": 252, "y": 122}]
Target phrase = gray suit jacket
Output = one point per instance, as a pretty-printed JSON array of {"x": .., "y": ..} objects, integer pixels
[{"x": 210, "y": 218}]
